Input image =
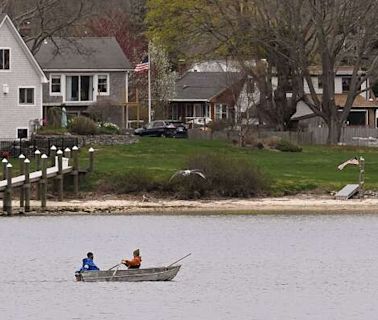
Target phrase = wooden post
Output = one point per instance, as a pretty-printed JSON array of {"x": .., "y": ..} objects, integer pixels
[
  {"x": 75, "y": 171},
  {"x": 4, "y": 162},
  {"x": 361, "y": 178},
  {"x": 91, "y": 160},
  {"x": 67, "y": 153},
  {"x": 26, "y": 185},
  {"x": 8, "y": 191},
  {"x": 37, "y": 154},
  {"x": 52, "y": 156},
  {"x": 60, "y": 175},
  {"x": 43, "y": 181},
  {"x": 22, "y": 171}
]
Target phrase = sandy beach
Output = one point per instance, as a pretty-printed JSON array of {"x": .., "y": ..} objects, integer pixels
[{"x": 299, "y": 204}]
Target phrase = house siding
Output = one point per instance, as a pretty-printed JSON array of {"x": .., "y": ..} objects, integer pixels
[
  {"x": 22, "y": 73},
  {"x": 117, "y": 85}
]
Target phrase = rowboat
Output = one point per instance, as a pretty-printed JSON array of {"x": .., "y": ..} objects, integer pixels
[{"x": 130, "y": 275}]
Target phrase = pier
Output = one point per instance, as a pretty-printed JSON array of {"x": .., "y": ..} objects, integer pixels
[{"x": 53, "y": 168}]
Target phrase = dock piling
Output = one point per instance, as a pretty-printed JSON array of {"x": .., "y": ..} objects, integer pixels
[
  {"x": 4, "y": 162},
  {"x": 75, "y": 167},
  {"x": 37, "y": 154},
  {"x": 52, "y": 155},
  {"x": 91, "y": 160},
  {"x": 26, "y": 185},
  {"x": 60, "y": 175},
  {"x": 21, "y": 159},
  {"x": 43, "y": 181},
  {"x": 8, "y": 191}
]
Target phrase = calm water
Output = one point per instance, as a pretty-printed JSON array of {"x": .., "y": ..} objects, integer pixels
[{"x": 265, "y": 267}]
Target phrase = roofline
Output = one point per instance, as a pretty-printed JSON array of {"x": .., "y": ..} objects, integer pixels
[
  {"x": 189, "y": 100},
  {"x": 87, "y": 70},
  {"x": 25, "y": 47}
]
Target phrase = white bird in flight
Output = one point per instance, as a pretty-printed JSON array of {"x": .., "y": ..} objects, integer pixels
[
  {"x": 188, "y": 172},
  {"x": 353, "y": 161}
]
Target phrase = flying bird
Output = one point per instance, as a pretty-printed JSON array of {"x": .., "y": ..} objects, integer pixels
[
  {"x": 353, "y": 161},
  {"x": 186, "y": 173}
]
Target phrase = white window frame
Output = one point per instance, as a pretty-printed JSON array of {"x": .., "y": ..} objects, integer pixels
[
  {"x": 10, "y": 59},
  {"x": 220, "y": 105},
  {"x": 94, "y": 84},
  {"x": 107, "y": 84},
  {"x": 27, "y": 130},
  {"x": 26, "y": 104},
  {"x": 50, "y": 85}
]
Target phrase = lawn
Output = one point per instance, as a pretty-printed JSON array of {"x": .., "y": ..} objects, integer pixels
[{"x": 314, "y": 168}]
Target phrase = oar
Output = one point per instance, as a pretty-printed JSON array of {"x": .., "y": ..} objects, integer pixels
[
  {"x": 179, "y": 260},
  {"x": 117, "y": 265}
]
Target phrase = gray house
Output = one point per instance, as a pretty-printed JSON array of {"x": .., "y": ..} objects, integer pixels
[
  {"x": 83, "y": 72},
  {"x": 21, "y": 81}
]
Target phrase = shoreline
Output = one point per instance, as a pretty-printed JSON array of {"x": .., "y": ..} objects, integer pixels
[{"x": 298, "y": 204}]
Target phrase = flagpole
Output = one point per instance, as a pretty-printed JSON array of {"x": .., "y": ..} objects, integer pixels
[{"x": 149, "y": 84}]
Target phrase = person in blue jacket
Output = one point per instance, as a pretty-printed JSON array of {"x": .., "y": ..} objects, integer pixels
[{"x": 88, "y": 264}]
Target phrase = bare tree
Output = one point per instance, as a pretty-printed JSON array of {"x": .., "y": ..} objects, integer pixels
[{"x": 38, "y": 20}]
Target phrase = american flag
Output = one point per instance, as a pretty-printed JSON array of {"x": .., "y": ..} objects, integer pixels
[{"x": 140, "y": 67}]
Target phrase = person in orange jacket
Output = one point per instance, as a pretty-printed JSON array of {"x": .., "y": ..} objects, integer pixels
[{"x": 135, "y": 262}]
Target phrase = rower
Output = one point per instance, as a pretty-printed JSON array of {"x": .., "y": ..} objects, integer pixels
[
  {"x": 135, "y": 262},
  {"x": 88, "y": 264}
]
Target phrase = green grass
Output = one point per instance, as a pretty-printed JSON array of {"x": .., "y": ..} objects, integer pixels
[{"x": 314, "y": 168}]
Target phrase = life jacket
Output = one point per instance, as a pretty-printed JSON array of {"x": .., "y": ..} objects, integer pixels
[
  {"x": 88, "y": 265},
  {"x": 134, "y": 263}
]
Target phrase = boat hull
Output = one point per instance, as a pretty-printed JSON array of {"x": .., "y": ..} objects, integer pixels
[{"x": 130, "y": 275}]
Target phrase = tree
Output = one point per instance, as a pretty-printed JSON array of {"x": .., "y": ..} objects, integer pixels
[
  {"x": 38, "y": 20},
  {"x": 199, "y": 29}
]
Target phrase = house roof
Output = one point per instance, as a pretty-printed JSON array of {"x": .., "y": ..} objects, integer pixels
[
  {"x": 340, "y": 70},
  {"x": 303, "y": 111},
  {"x": 4, "y": 18},
  {"x": 203, "y": 86},
  {"x": 89, "y": 53}
]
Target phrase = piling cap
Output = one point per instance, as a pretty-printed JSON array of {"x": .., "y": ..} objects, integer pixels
[
  {"x": 53, "y": 148},
  {"x": 59, "y": 152},
  {"x": 75, "y": 148},
  {"x": 21, "y": 156},
  {"x": 67, "y": 149},
  {"x": 4, "y": 160},
  {"x": 37, "y": 152},
  {"x": 9, "y": 165},
  {"x": 26, "y": 160},
  {"x": 44, "y": 156},
  {"x": 91, "y": 149}
]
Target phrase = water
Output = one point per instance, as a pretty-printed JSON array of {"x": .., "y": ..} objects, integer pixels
[{"x": 242, "y": 267}]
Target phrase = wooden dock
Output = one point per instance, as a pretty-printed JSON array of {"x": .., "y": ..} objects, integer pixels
[{"x": 60, "y": 166}]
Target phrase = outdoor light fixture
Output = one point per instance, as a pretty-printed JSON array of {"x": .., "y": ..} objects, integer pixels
[{"x": 5, "y": 89}]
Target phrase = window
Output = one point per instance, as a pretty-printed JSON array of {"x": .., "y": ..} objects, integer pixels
[
  {"x": 55, "y": 85},
  {"x": 4, "y": 59},
  {"x": 79, "y": 88},
  {"x": 26, "y": 96},
  {"x": 221, "y": 111},
  {"x": 102, "y": 84},
  {"x": 320, "y": 82},
  {"x": 345, "y": 81}
]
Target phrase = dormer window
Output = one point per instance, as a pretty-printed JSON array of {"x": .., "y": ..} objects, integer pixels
[
  {"x": 345, "y": 82},
  {"x": 4, "y": 59}
]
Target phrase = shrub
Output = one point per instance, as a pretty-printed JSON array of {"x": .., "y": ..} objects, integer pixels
[
  {"x": 286, "y": 146},
  {"x": 54, "y": 116},
  {"x": 133, "y": 181},
  {"x": 225, "y": 176},
  {"x": 83, "y": 125},
  {"x": 108, "y": 128}
]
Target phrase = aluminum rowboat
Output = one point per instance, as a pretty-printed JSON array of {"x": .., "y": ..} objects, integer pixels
[{"x": 130, "y": 275}]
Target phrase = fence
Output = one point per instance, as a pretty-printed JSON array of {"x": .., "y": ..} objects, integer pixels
[
  {"x": 13, "y": 148},
  {"x": 360, "y": 136}
]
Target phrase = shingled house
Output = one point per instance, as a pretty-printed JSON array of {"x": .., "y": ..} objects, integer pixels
[
  {"x": 83, "y": 71},
  {"x": 205, "y": 94}
]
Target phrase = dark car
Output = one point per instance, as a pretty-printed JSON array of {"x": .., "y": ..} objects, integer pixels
[{"x": 163, "y": 128}]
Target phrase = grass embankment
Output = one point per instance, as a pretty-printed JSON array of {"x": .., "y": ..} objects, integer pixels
[{"x": 314, "y": 168}]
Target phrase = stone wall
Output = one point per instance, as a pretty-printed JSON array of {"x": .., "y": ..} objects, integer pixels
[{"x": 107, "y": 139}]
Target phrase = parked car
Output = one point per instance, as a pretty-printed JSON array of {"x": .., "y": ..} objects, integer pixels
[{"x": 163, "y": 128}]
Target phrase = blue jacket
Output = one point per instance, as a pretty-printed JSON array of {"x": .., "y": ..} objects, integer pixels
[{"x": 88, "y": 265}]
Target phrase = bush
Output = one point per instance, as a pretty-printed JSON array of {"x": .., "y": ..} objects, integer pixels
[
  {"x": 286, "y": 146},
  {"x": 83, "y": 125},
  {"x": 225, "y": 176},
  {"x": 108, "y": 128}
]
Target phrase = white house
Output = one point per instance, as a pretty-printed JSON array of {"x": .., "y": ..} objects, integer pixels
[
  {"x": 21, "y": 81},
  {"x": 364, "y": 111}
]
